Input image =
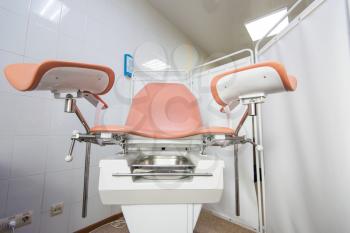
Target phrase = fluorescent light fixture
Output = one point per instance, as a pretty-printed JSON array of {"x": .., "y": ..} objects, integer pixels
[
  {"x": 156, "y": 64},
  {"x": 259, "y": 27}
]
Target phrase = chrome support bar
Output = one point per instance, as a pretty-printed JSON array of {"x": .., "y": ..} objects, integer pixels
[
  {"x": 226, "y": 141},
  {"x": 260, "y": 163},
  {"x": 241, "y": 122},
  {"x": 257, "y": 46},
  {"x": 251, "y": 55},
  {"x": 235, "y": 154},
  {"x": 71, "y": 107},
  {"x": 238, "y": 209},
  {"x": 81, "y": 119},
  {"x": 254, "y": 110},
  {"x": 86, "y": 179},
  {"x": 257, "y": 172},
  {"x": 161, "y": 174}
]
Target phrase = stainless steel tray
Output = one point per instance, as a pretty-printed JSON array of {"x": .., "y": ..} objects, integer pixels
[
  {"x": 161, "y": 167},
  {"x": 162, "y": 161}
]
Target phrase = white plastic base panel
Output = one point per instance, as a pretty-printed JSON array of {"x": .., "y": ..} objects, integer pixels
[
  {"x": 124, "y": 191},
  {"x": 180, "y": 218}
]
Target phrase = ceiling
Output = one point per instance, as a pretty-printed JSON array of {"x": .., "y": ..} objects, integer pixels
[{"x": 217, "y": 26}]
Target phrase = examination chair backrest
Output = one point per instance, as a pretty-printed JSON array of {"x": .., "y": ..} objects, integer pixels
[{"x": 163, "y": 108}]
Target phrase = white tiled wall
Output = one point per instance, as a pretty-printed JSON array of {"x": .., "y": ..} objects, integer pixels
[{"x": 34, "y": 130}]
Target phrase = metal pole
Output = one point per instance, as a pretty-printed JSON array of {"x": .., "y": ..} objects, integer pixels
[
  {"x": 82, "y": 119},
  {"x": 238, "y": 128},
  {"x": 252, "y": 113},
  {"x": 238, "y": 209},
  {"x": 86, "y": 179},
  {"x": 241, "y": 122},
  {"x": 251, "y": 55},
  {"x": 87, "y": 161},
  {"x": 260, "y": 153}
]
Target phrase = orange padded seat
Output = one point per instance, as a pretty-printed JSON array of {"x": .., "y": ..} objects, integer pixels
[{"x": 163, "y": 111}]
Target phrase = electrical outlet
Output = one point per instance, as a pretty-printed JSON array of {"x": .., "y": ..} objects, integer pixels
[
  {"x": 21, "y": 219},
  {"x": 56, "y": 209}
]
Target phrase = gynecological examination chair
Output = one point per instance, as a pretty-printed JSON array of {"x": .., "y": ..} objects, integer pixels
[{"x": 163, "y": 174}]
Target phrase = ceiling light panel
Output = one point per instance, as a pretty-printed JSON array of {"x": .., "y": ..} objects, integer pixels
[{"x": 259, "y": 27}]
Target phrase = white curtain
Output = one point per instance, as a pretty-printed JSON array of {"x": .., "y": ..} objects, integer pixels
[
  {"x": 212, "y": 116},
  {"x": 306, "y": 133}
]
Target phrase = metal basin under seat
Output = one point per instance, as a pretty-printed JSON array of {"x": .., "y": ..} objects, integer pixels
[{"x": 176, "y": 180}]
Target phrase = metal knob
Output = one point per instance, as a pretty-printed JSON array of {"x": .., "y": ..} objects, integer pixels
[
  {"x": 69, "y": 157},
  {"x": 259, "y": 148}
]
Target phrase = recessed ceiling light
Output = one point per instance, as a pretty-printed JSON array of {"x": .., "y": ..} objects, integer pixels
[
  {"x": 156, "y": 64},
  {"x": 259, "y": 27}
]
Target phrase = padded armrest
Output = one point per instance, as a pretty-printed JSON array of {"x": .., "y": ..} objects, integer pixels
[
  {"x": 263, "y": 78},
  {"x": 60, "y": 76}
]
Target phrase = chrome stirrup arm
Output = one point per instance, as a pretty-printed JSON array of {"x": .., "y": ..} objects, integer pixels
[{"x": 71, "y": 107}]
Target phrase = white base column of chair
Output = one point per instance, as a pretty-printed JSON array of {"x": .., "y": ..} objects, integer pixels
[{"x": 179, "y": 218}]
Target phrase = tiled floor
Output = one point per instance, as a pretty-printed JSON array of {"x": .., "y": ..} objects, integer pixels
[{"x": 207, "y": 223}]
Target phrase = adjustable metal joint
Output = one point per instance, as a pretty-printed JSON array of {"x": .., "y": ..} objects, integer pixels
[
  {"x": 69, "y": 104},
  {"x": 251, "y": 141}
]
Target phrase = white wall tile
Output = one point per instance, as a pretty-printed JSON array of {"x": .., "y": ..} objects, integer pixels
[
  {"x": 6, "y": 145},
  {"x": 69, "y": 48},
  {"x": 98, "y": 211},
  {"x": 29, "y": 155},
  {"x": 73, "y": 22},
  {"x": 80, "y": 5},
  {"x": 55, "y": 224},
  {"x": 46, "y": 13},
  {"x": 41, "y": 42},
  {"x": 97, "y": 9},
  {"x": 93, "y": 181},
  {"x": 32, "y": 116},
  {"x": 116, "y": 209},
  {"x": 58, "y": 188},
  {"x": 25, "y": 194},
  {"x": 63, "y": 123},
  {"x": 13, "y": 31},
  {"x": 17, "y": 6},
  {"x": 3, "y": 196},
  {"x": 76, "y": 221},
  {"x": 34, "y": 227},
  {"x": 77, "y": 180},
  {"x": 57, "y": 150},
  {"x": 9, "y": 117}
]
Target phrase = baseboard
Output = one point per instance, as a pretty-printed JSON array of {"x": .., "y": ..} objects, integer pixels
[{"x": 100, "y": 223}]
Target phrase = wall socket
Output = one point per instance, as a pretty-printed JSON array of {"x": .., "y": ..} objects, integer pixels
[
  {"x": 21, "y": 219},
  {"x": 56, "y": 209}
]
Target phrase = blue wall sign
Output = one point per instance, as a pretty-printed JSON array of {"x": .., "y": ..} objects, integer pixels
[{"x": 128, "y": 65}]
